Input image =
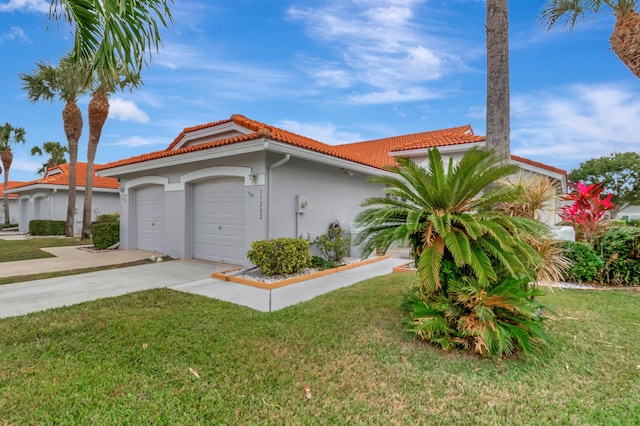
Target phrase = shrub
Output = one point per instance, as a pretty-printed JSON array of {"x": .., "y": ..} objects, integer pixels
[
  {"x": 107, "y": 218},
  {"x": 280, "y": 256},
  {"x": 620, "y": 250},
  {"x": 105, "y": 234},
  {"x": 634, "y": 222},
  {"x": 332, "y": 245},
  {"x": 47, "y": 227},
  {"x": 585, "y": 263},
  {"x": 8, "y": 225}
]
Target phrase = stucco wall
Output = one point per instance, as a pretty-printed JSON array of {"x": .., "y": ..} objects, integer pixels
[
  {"x": 331, "y": 193},
  {"x": 47, "y": 204}
]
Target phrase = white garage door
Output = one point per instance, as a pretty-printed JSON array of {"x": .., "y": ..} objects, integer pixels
[
  {"x": 218, "y": 223},
  {"x": 150, "y": 218}
]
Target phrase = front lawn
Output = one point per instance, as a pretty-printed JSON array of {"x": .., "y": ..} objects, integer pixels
[
  {"x": 165, "y": 357},
  {"x": 12, "y": 250}
]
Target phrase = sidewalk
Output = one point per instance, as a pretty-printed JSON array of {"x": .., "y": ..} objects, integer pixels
[
  {"x": 69, "y": 258},
  {"x": 189, "y": 276}
]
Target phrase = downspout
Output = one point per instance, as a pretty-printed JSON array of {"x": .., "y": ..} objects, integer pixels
[{"x": 286, "y": 158}]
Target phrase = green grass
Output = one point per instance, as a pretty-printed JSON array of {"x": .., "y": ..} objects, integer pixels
[
  {"x": 127, "y": 360},
  {"x": 30, "y": 249}
]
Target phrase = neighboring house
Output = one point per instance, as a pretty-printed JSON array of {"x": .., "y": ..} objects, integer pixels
[
  {"x": 631, "y": 212},
  {"x": 220, "y": 186},
  {"x": 47, "y": 198},
  {"x": 13, "y": 201}
]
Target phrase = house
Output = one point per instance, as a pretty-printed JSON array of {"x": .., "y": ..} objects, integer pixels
[
  {"x": 47, "y": 198},
  {"x": 222, "y": 185},
  {"x": 13, "y": 201}
]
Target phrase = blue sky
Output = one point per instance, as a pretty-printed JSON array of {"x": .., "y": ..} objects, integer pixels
[{"x": 340, "y": 71}]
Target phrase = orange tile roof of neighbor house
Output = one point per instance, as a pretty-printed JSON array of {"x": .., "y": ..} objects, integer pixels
[
  {"x": 11, "y": 184},
  {"x": 373, "y": 153},
  {"x": 59, "y": 175}
]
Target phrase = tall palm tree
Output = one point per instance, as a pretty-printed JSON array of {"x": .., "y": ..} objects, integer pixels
[
  {"x": 474, "y": 264},
  {"x": 109, "y": 33},
  {"x": 498, "y": 92},
  {"x": 625, "y": 38},
  {"x": 98, "y": 112},
  {"x": 9, "y": 135},
  {"x": 56, "y": 152},
  {"x": 67, "y": 81}
]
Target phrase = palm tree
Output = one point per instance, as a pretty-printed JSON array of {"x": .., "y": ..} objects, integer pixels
[
  {"x": 473, "y": 261},
  {"x": 109, "y": 33},
  {"x": 498, "y": 94},
  {"x": 56, "y": 152},
  {"x": 98, "y": 113},
  {"x": 67, "y": 81},
  {"x": 9, "y": 135},
  {"x": 625, "y": 38}
]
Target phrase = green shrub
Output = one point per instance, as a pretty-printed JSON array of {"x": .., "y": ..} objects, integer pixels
[
  {"x": 634, "y": 222},
  {"x": 585, "y": 263},
  {"x": 107, "y": 218},
  {"x": 105, "y": 234},
  {"x": 320, "y": 263},
  {"x": 620, "y": 250},
  {"x": 332, "y": 245},
  {"x": 8, "y": 225},
  {"x": 47, "y": 227},
  {"x": 280, "y": 256}
]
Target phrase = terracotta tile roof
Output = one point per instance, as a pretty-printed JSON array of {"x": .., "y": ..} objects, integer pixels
[
  {"x": 373, "y": 153},
  {"x": 540, "y": 165},
  {"x": 11, "y": 184},
  {"x": 59, "y": 175}
]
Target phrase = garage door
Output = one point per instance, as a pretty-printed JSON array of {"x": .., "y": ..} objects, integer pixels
[
  {"x": 150, "y": 218},
  {"x": 218, "y": 223}
]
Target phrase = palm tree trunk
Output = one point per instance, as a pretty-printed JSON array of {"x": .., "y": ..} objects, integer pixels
[
  {"x": 7, "y": 159},
  {"x": 72, "y": 118},
  {"x": 625, "y": 40},
  {"x": 98, "y": 113},
  {"x": 498, "y": 105}
]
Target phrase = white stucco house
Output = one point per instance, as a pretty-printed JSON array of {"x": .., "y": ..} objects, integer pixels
[
  {"x": 222, "y": 185},
  {"x": 47, "y": 198}
]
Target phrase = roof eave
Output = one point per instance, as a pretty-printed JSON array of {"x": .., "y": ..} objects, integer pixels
[{"x": 185, "y": 158}]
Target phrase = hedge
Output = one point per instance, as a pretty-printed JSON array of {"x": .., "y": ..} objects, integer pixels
[
  {"x": 105, "y": 234},
  {"x": 47, "y": 227},
  {"x": 280, "y": 256}
]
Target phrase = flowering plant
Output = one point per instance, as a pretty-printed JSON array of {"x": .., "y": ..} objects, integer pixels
[{"x": 587, "y": 211}]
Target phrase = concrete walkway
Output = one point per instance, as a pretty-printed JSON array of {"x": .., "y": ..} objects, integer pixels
[
  {"x": 69, "y": 258},
  {"x": 184, "y": 275}
]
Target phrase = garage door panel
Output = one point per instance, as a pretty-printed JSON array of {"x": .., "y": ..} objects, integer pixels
[
  {"x": 150, "y": 218},
  {"x": 219, "y": 220}
]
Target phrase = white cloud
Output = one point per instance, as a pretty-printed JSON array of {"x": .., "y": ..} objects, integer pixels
[
  {"x": 138, "y": 141},
  {"x": 575, "y": 123},
  {"x": 13, "y": 34},
  {"x": 378, "y": 45},
  {"x": 323, "y": 132},
  {"x": 24, "y": 165},
  {"x": 123, "y": 110},
  {"x": 26, "y": 5},
  {"x": 407, "y": 94}
]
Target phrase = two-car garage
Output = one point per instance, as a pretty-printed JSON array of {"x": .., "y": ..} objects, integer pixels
[{"x": 217, "y": 215}]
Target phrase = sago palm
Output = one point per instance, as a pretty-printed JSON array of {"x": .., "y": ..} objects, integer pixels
[
  {"x": 625, "y": 39},
  {"x": 474, "y": 263},
  {"x": 447, "y": 213}
]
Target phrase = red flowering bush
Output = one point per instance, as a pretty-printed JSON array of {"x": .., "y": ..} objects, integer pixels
[{"x": 587, "y": 211}]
